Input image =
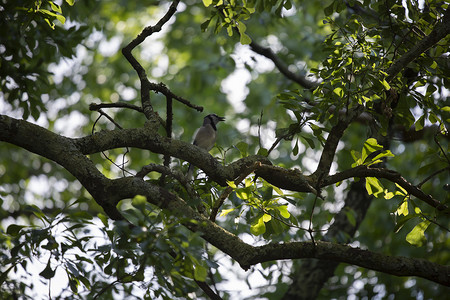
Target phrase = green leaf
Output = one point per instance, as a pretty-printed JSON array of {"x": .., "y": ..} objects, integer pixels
[
  {"x": 243, "y": 194},
  {"x": 339, "y": 91},
  {"x": 403, "y": 209},
  {"x": 205, "y": 25},
  {"x": 243, "y": 148},
  {"x": 225, "y": 212},
  {"x": 139, "y": 201},
  {"x": 309, "y": 141},
  {"x": 402, "y": 191},
  {"x": 263, "y": 152},
  {"x": 207, "y": 3},
  {"x": 295, "y": 149},
  {"x": 417, "y": 236},
  {"x": 258, "y": 228},
  {"x": 370, "y": 145},
  {"x": 329, "y": 9},
  {"x": 350, "y": 213},
  {"x": 14, "y": 229},
  {"x": 245, "y": 39},
  {"x": 61, "y": 19},
  {"x": 231, "y": 184},
  {"x": 278, "y": 190},
  {"x": 433, "y": 65},
  {"x": 420, "y": 123},
  {"x": 200, "y": 273},
  {"x": 385, "y": 84},
  {"x": 56, "y": 7},
  {"x": 388, "y": 195},
  {"x": 376, "y": 159},
  {"x": 402, "y": 221},
  {"x": 284, "y": 212},
  {"x": 373, "y": 186},
  {"x": 48, "y": 273},
  {"x": 103, "y": 218},
  {"x": 266, "y": 218}
]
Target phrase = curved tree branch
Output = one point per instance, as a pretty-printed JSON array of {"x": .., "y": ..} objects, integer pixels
[
  {"x": 108, "y": 192},
  {"x": 148, "y": 138}
]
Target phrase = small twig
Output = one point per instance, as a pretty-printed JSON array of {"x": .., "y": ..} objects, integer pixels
[
  {"x": 208, "y": 291},
  {"x": 432, "y": 175},
  {"x": 259, "y": 128},
  {"x": 310, "y": 229},
  {"x": 101, "y": 112},
  {"x": 96, "y": 107},
  {"x": 163, "y": 89},
  {"x": 168, "y": 127},
  {"x": 122, "y": 168},
  {"x": 291, "y": 225},
  {"x": 287, "y": 135},
  {"x": 282, "y": 67},
  {"x": 167, "y": 171},
  {"x": 440, "y": 147}
]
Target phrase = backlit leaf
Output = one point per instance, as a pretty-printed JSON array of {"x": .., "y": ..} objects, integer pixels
[{"x": 417, "y": 236}]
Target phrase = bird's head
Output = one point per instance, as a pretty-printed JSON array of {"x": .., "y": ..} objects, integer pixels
[{"x": 212, "y": 119}]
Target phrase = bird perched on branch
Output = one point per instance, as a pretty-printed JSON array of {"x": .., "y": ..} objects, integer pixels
[{"x": 206, "y": 136}]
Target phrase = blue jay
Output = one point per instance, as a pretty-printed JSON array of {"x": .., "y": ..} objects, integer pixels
[{"x": 206, "y": 136}]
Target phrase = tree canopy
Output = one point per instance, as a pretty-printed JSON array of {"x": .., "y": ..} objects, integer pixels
[{"x": 329, "y": 178}]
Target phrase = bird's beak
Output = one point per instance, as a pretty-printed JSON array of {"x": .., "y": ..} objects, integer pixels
[{"x": 221, "y": 118}]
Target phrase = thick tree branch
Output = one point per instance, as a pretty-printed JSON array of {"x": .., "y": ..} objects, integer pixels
[
  {"x": 61, "y": 150},
  {"x": 148, "y": 138},
  {"x": 335, "y": 135},
  {"x": 109, "y": 192},
  {"x": 247, "y": 255}
]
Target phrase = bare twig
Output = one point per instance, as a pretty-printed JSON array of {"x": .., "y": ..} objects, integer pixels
[
  {"x": 164, "y": 170},
  {"x": 208, "y": 291},
  {"x": 163, "y": 89},
  {"x": 126, "y": 51},
  {"x": 432, "y": 175},
  {"x": 97, "y": 107},
  {"x": 282, "y": 67},
  {"x": 120, "y": 167}
]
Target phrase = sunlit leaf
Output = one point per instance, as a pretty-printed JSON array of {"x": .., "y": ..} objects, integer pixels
[
  {"x": 226, "y": 212},
  {"x": 266, "y": 218},
  {"x": 373, "y": 186},
  {"x": 403, "y": 209},
  {"x": 417, "y": 236},
  {"x": 258, "y": 228},
  {"x": 284, "y": 211},
  {"x": 207, "y": 3}
]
